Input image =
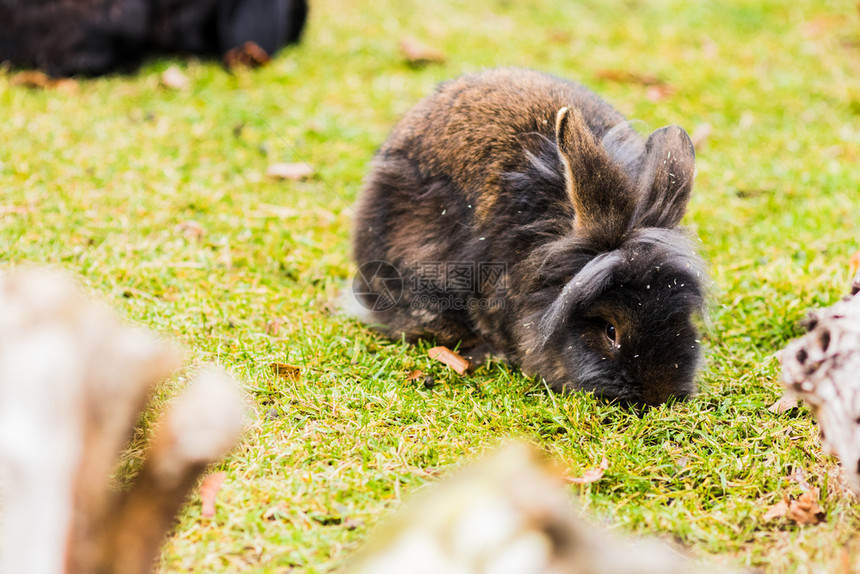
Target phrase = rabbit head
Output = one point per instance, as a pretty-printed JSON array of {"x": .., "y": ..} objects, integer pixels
[{"x": 622, "y": 288}]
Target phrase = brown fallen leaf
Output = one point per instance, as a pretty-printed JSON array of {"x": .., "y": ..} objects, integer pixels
[
  {"x": 285, "y": 371},
  {"x": 625, "y": 77},
  {"x": 248, "y": 55},
  {"x": 784, "y": 404},
  {"x": 591, "y": 475},
  {"x": 418, "y": 54},
  {"x": 805, "y": 510},
  {"x": 31, "y": 79},
  {"x": 415, "y": 375},
  {"x": 208, "y": 491},
  {"x": 458, "y": 362},
  {"x": 35, "y": 79},
  {"x": 559, "y": 35},
  {"x": 428, "y": 381},
  {"x": 174, "y": 79},
  {"x": 293, "y": 171},
  {"x": 659, "y": 92},
  {"x": 778, "y": 510}
]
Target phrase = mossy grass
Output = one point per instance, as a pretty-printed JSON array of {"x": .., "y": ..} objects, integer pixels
[{"x": 97, "y": 180}]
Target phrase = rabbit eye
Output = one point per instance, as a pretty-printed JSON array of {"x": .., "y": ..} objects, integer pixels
[{"x": 610, "y": 333}]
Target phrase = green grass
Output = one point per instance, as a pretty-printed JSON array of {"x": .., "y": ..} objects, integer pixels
[{"x": 103, "y": 175}]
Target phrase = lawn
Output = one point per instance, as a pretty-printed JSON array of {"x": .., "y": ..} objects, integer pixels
[{"x": 158, "y": 199}]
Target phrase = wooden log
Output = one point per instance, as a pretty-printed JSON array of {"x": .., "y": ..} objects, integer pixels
[
  {"x": 73, "y": 383},
  {"x": 509, "y": 513},
  {"x": 823, "y": 368}
]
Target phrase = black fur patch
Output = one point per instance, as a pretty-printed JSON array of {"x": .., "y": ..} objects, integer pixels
[{"x": 93, "y": 37}]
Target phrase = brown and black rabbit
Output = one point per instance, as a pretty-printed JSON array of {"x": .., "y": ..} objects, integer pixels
[{"x": 518, "y": 212}]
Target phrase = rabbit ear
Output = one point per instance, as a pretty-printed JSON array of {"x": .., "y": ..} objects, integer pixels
[
  {"x": 666, "y": 178},
  {"x": 598, "y": 188}
]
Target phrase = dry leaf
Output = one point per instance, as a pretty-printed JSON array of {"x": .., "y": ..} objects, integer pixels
[
  {"x": 805, "y": 510},
  {"x": 659, "y": 92},
  {"x": 657, "y": 89},
  {"x": 34, "y": 79},
  {"x": 591, "y": 475},
  {"x": 784, "y": 404},
  {"x": 294, "y": 171},
  {"x": 208, "y": 491},
  {"x": 173, "y": 78},
  {"x": 423, "y": 378},
  {"x": 454, "y": 360},
  {"x": 248, "y": 55},
  {"x": 286, "y": 371},
  {"x": 415, "y": 375},
  {"x": 418, "y": 54},
  {"x": 625, "y": 77},
  {"x": 31, "y": 79},
  {"x": 701, "y": 134},
  {"x": 559, "y": 35},
  {"x": 778, "y": 510},
  {"x": 191, "y": 230}
]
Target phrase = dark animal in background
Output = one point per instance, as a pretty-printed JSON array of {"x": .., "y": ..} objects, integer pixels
[
  {"x": 566, "y": 220},
  {"x": 92, "y": 37}
]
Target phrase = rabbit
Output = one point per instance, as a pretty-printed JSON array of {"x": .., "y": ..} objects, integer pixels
[
  {"x": 518, "y": 214},
  {"x": 95, "y": 37}
]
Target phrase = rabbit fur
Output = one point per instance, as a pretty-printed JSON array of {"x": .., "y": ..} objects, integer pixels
[
  {"x": 94, "y": 37},
  {"x": 594, "y": 287}
]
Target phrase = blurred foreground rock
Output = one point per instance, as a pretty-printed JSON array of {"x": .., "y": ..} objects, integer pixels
[
  {"x": 823, "y": 368},
  {"x": 73, "y": 383},
  {"x": 508, "y": 514}
]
